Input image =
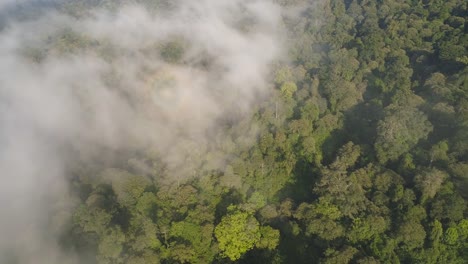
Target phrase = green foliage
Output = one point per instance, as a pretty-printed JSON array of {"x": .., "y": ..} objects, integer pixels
[
  {"x": 288, "y": 89},
  {"x": 340, "y": 256},
  {"x": 366, "y": 229},
  {"x": 429, "y": 182},
  {"x": 269, "y": 238},
  {"x": 399, "y": 131},
  {"x": 359, "y": 154},
  {"x": 321, "y": 219},
  {"x": 451, "y": 236},
  {"x": 172, "y": 51},
  {"x": 92, "y": 220},
  {"x": 237, "y": 233},
  {"x": 283, "y": 75},
  {"x": 412, "y": 235},
  {"x": 198, "y": 238},
  {"x": 111, "y": 246}
]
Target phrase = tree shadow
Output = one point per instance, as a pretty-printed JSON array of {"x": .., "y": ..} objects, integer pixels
[
  {"x": 233, "y": 196},
  {"x": 305, "y": 175}
]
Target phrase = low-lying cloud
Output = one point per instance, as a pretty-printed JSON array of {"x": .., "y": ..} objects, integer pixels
[{"x": 80, "y": 80}]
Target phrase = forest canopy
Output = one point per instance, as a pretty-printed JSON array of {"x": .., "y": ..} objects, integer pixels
[{"x": 268, "y": 131}]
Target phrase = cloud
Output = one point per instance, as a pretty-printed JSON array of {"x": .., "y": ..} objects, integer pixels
[{"x": 130, "y": 77}]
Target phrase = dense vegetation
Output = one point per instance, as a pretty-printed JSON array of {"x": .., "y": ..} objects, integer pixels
[{"x": 361, "y": 154}]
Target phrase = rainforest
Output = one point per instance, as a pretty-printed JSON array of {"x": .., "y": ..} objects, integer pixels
[{"x": 233, "y": 131}]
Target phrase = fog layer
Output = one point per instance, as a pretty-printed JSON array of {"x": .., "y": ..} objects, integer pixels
[{"x": 74, "y": 84}]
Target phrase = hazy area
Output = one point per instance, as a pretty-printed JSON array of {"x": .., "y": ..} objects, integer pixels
[
  {"x": 222, "y": 131},
  {"x": 118, "y": 79}
]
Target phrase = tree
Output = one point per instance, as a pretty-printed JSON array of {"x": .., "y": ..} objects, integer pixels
[
  {"x": 288, "y": 89},
  {"x": 399, "y": 131},
  {"x": 269, "y": 238},
  {"x": 321, "y": 218},
  {"x": 429, "y": 182},
  {"x": 340, "y": 256},
  {"x": 111, "y": 246},
  {"x": 173, "y": 51},
  {"x": 237, "y": 233},
  {"x": 195, "y": 238},
  {"x": 366, "y": 229},
  {"x": 412, "y": 235},
  {"x": 438, "y": 152}
]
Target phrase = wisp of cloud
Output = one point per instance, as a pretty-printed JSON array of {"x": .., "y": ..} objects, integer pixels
[{"x": 76, "y": 81}]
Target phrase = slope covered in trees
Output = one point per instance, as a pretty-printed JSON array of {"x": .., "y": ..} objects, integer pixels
[{"x": 359, "y": 155}]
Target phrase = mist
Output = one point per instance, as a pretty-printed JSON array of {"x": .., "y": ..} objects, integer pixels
[{"x": 85, "y": 85}]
